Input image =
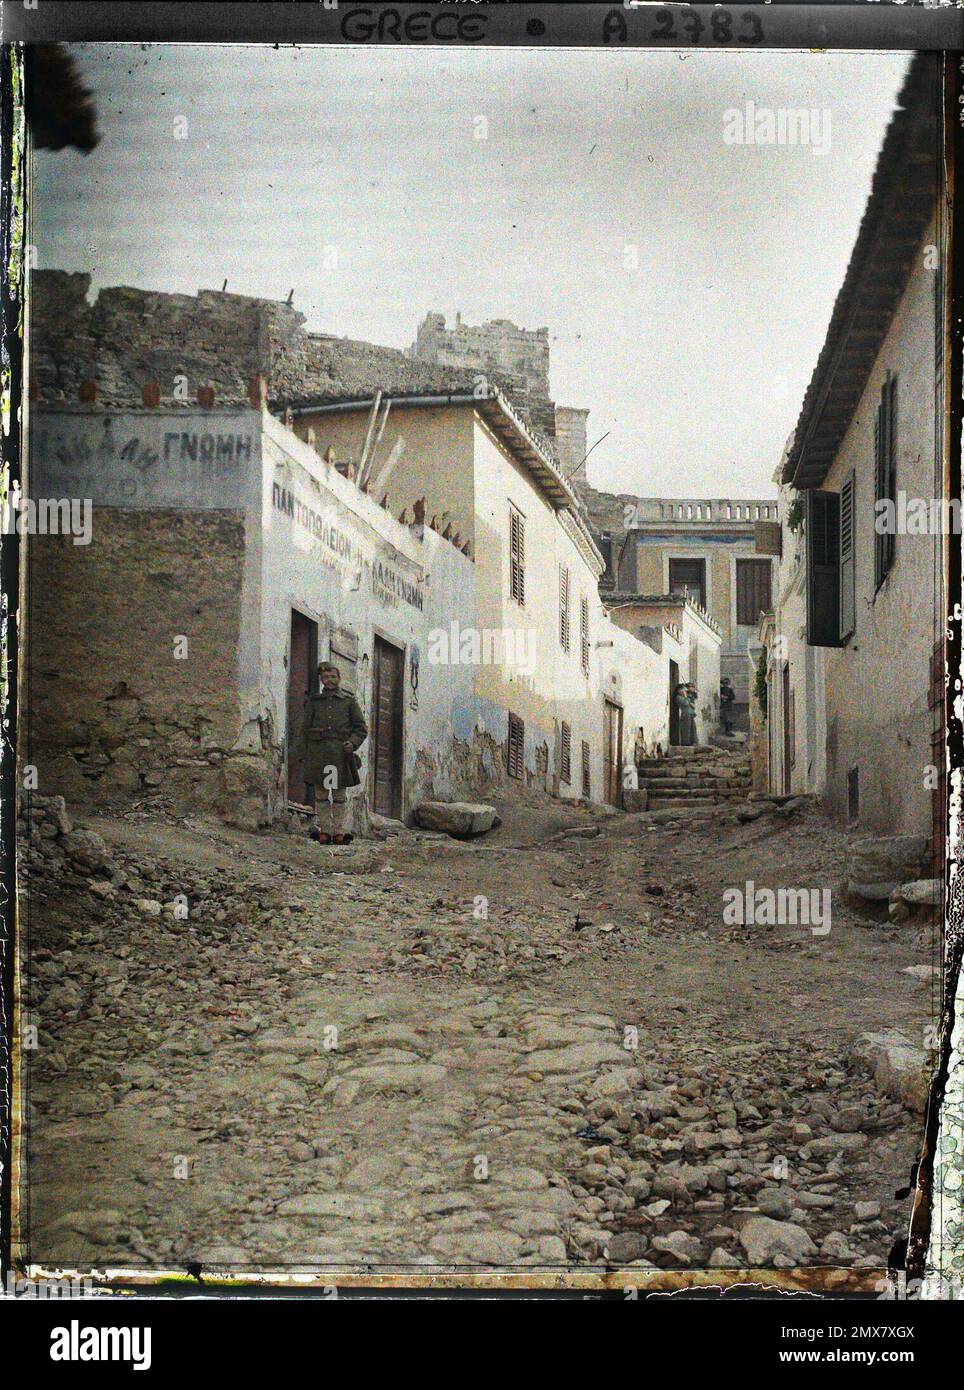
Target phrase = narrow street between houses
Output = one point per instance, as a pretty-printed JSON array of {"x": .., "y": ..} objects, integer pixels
[{"x": 543, "y": 1047}]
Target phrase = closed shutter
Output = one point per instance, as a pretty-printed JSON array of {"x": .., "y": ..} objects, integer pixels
[
  {"x": 517, "y": 556},
  {"x": 753, "y": 595},
  {"x": 515, "y": 756},
  {"x": 565, "y": 756},
  {"x": 586, "y": 784},
  {"x": 847, "y": 568},
  {"x": 564, "y": 607},
  {"x": 885, "y": 476},
  {"x": 822, "y": 513},
  {"x": 890, "y": 397},
  {"x": 584, "y": 633}
]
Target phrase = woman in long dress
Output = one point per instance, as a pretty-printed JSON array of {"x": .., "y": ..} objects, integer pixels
[{"x": 686, "y": 708}]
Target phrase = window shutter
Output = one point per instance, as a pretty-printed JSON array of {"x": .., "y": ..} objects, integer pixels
[
  {"x": 584, "y": 633},
  {"x": 564, "y": 607},
  {"x": 515, "y": 760},
  {"x": 517, "y": 556},
  {"x": 848, "y": 614},
  {"x": 823, "y": 567},
  {"x": 885, "y": 474},
  {"x": 880, "y": 492},
  {"x": 586, "y": 785},
  {"x": 891, "y": 398},
  {"x": 565, "y": 760}
]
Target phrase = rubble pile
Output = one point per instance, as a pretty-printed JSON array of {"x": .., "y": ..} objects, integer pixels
[
  {"x": 255, "y": 1052},
  {"x": 771, "y": 1157}
]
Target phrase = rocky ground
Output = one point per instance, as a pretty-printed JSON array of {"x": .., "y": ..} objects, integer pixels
[{"x": 542, "y": 1047}]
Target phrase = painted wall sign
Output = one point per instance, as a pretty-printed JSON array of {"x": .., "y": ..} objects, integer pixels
[{"x": 387, "y": 583}]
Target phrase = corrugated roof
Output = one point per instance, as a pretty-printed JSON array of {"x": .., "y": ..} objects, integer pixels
[{"x": 901, "y": 203}]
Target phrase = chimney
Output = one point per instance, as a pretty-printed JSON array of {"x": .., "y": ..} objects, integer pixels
[{"x": 571, "y": 441}]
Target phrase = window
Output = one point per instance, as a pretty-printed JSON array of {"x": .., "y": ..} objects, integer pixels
[
  {"x": 885, "y": 474},
  {"x": 853, "y": 794},
  {"x": 688, "y": 577},
  {"x": 822, "y": 532},
  {"x": 752, "y": 591},
  {"x": 848, "y": 607},
  {"x": 515, "y": 757},
  {"x": 586, "y": 784},
  {"x": 565, "y": 754},
  {"x": 584, "y": 633},
  {"x": 517, "y": 555},
  {"x": 564, "y": 607}
]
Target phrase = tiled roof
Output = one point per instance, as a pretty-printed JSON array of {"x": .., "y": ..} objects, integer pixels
[{"x": 902, "y": 201}]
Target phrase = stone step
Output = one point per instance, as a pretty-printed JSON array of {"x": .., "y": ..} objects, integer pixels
[
  {"x": 660, "y": 799},
  {"x": 679, "y": 779},
  {"x": 673, "y": 803}
]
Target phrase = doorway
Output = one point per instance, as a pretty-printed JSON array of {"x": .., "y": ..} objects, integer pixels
[
  {"x": 387, "y": 750},
  {"x": 673, "y": 711},
  {"x": 613, "y": 752},
  {"x": 787, "y": 731},
  {"x": 302, "y": 674}
]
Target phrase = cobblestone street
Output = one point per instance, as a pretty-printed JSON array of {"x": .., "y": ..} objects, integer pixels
[{"x": 540, "y": 1048}]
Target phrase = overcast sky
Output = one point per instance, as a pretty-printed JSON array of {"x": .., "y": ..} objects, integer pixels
[{"x": 695, "y": 362}]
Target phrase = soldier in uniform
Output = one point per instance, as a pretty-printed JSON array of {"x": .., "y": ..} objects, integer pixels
[{"x": 334, "y": 730}]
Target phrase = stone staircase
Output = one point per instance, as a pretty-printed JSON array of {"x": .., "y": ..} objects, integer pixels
[{"x": 688, "y": 778}]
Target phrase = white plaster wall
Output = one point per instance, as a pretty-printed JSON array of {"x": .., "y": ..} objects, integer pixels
[
  {"x": 808, "y": 770},
  {"x": 877, "y": 685},
  {"x": 557, "y": 689},
  {"x": 303, "y": 571}
]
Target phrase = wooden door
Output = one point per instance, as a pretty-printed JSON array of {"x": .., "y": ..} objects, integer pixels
[
  {"x": 787, "y": 747},
  {"x": 302, "y": 672},
  {"x": 387, "y": 756},
  {"x": 938, "y": 759},
  {"x": 613, "y": 752}
]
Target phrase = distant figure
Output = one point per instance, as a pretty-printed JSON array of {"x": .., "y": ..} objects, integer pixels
[
  {"x": 686, "y": 709},
  {"x": 727, "y": 697}
]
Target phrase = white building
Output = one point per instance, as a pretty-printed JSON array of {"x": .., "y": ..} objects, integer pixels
[
  {"x": 567, "y": 717},
  {"x": 870, "y": 434}
]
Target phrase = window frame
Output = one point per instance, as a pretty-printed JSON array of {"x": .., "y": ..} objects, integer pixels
[
  {"x": 515, "y": 747},
  {"x": 565, "y": 753},
  {"x": 565, "y": 609},
  {"x": 699, "y": 560},
  {"x": 757, "y": 566},
  {"x": 517, "y": 556}
]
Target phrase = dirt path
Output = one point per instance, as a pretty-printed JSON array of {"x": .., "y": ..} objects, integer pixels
[{"x": 536, "y": 1049}]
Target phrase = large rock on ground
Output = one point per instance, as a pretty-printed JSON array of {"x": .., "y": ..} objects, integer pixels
[
  {"x": 876, "y": 866},
  {"x": 456, "y": 817},
  {"x": 899, "y": 1066},
  {"x": 86, "y": 848},
  {"x": 923, "y": 892},
  {"x": 764, "y": 1239}
]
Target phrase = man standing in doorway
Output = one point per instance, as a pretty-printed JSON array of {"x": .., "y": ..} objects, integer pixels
[{"x": 334, "y": 730}]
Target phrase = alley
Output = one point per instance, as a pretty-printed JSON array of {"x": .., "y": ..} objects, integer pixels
[{"x": 540, "y": 1048}]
